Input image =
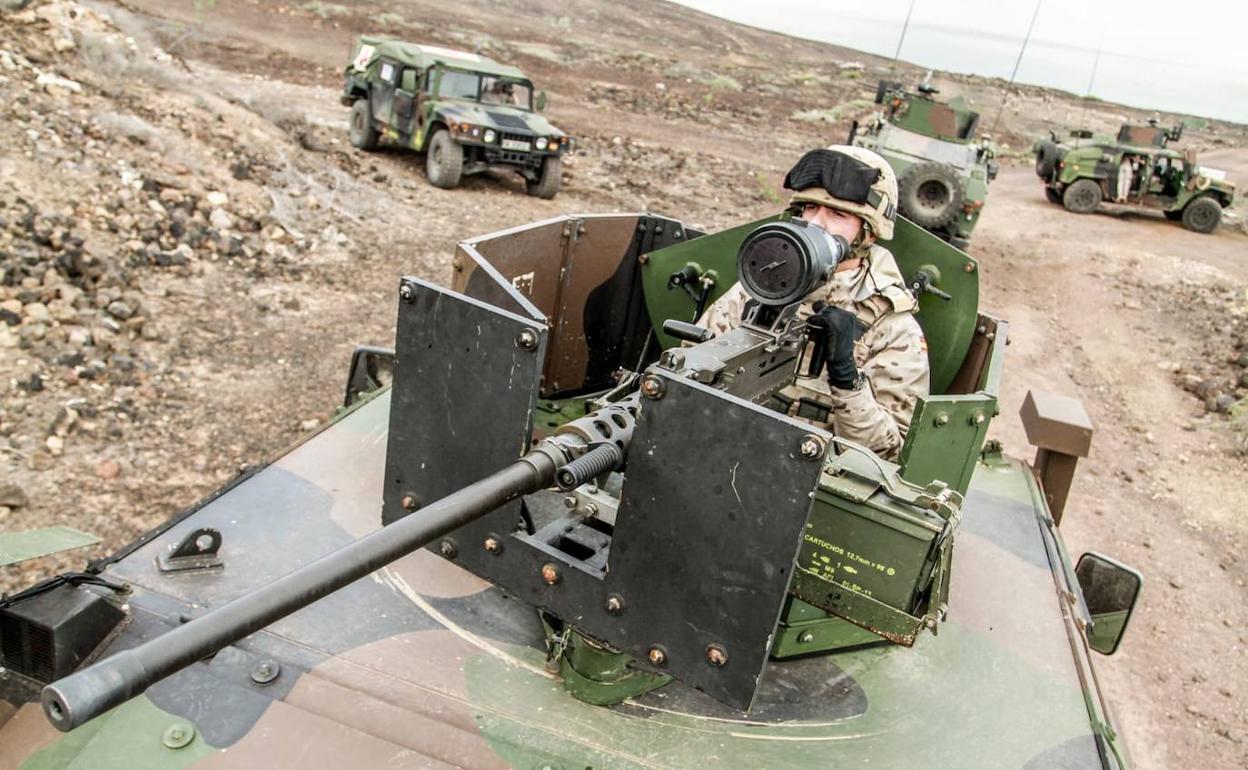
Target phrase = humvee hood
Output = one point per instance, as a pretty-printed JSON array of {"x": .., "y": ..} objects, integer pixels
[{"x": 500, "y": 118}]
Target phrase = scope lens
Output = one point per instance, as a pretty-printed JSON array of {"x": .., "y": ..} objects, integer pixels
[{"x": 781, "y": 262}]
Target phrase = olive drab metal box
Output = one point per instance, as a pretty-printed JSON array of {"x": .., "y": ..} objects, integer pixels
[{"x": 876, "y": 552}]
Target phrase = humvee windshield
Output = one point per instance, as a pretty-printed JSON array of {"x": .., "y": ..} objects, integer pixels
[
  {"x": 487, "y": 89},
  {"x": 513, "y": 93}
]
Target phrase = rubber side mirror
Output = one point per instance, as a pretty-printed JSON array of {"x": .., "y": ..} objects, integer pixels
[{"x": 541, "y": 101}]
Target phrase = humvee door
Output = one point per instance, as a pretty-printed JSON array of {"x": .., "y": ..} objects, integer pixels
[
  {"x": 406, "y": 115},
  {"x": 381, "y": 90}
]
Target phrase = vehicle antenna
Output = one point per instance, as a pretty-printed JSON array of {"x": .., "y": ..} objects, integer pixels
[
  {"x": 1017, "y": 62},
  {"x": 1092, "y": 79},
  {"x": 905, "y": 25}
]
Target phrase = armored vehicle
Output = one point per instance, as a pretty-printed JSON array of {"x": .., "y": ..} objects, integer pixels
[
  {"x": 467, "y": 113},
  {"x": 1137, "y": 168},
  {"x": 943, "y": 169},
  {"x": 636, "y": 554}
]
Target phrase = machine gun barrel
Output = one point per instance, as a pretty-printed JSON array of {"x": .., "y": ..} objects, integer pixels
[{"x": 85, "y": 694}]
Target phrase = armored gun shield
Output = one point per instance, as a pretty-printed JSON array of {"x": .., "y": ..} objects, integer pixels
[{"x": 691, "y": 572}]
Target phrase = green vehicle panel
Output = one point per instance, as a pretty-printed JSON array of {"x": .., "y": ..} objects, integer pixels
[
  {"x": 423, "y": 664},
  {"x": 943, "y": 168},
  {"x": 1136, "y": 168},
  {"x": 409, "y": 93}
]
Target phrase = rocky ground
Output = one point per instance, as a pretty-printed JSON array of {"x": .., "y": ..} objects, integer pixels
[{"x": 190, "y": 249}]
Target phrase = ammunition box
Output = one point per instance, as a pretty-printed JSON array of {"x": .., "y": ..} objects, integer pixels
[{"x": 876, "y": 553}]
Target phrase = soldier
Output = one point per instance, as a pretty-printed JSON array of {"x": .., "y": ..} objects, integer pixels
[{"x": 877, "y": 366}]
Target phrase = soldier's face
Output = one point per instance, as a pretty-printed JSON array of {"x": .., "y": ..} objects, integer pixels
[{"x": 833, "y": 221}]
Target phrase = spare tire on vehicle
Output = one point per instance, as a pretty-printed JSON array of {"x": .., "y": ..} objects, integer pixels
[
  {"x": 1046, "y": 159},
  {"x": 931, "y": 194}
]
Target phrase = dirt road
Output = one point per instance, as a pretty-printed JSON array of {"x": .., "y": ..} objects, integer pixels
[{"x": 221, "y": 353}]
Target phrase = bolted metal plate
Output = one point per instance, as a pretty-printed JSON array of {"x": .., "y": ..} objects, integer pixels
[
  {"x": 715, "y": 501},
  {"x": 465, "y": 383}
]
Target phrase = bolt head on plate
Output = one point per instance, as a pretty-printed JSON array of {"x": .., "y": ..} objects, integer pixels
[
  {"x": 526, "y": 339},
  {"x": 716, "y": 655},
  {"x": 652, "y": 387},
  {"x": 550, "y": 574},
  {"x": 657, "y": 656},
  {"x": 615, "y": 605},
  {"x": 812, "y": 447}
]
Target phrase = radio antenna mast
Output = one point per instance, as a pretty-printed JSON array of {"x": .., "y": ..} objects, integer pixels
[{"x": 1017, "y": 62}]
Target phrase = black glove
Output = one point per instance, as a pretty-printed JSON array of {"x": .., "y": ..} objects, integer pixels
[{"x": 839, "y": 329}]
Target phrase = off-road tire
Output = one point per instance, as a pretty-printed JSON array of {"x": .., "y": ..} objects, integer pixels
[
  {"x": 1052, "y": 195},
  {"x": 1202, "y": 215},
  {"x": 547, "y": 183},
  {"x": 444, "y": 160},
  {"x": 1082, "y": 196},
  {"x": 1046, "y": 160},
  {"x": 362, "y": 132},
  {"x": 931, "y": 195}
]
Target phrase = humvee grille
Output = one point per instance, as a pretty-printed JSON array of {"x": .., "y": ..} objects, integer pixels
[
  {"x": 508, "y": 121},
  {"x": 518, "y": 138}
]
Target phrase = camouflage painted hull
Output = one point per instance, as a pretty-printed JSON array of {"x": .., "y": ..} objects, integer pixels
[{"x": 424, "y": 665}]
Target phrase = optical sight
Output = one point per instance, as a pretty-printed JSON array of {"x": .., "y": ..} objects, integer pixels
[{"x": 781, "y": 262}]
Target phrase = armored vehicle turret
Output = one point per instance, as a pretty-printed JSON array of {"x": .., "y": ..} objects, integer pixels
[
  {"x": 465, "y": 112},
  {"x": 560, "y": 525},
  {"x": 1137, "y": 168},
  {"x": 943, "y": 167}
]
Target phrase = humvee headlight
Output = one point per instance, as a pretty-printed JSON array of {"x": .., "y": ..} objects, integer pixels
[
  {"x": 540, "y": 143},
  {"x": 476, "y": 131},
  {"x": 490, "y": 136}
]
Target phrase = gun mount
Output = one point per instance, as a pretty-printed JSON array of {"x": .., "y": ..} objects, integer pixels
[{"x": 666, "y": 559}]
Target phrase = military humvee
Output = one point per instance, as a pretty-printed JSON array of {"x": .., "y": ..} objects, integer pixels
[
  {"x": 720, "y": 583},
  {"x": 943, "y": 169},
  {"x": 1136, "y": 168},
  {"x": 467, "y": 113}
]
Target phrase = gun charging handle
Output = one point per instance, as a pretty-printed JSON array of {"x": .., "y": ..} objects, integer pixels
[{"x": 686, "y": 332}]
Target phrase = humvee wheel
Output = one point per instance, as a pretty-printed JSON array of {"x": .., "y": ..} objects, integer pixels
[
  {"x": 1202, "y": 215},
  {"x": 547, "y": 185},
  {"x": 444, "y": 162},
  {"x": 1082, "y": 197},
  {"x": 931, "y": 195},
  {"x": 362, "y": 132},
  {"x": 1053, "y": 195}
]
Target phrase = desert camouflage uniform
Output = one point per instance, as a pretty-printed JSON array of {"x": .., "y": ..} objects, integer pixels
[{"x": 892, "y": 353}]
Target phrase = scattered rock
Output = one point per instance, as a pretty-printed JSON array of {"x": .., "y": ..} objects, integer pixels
[
  {"x": 12, "y": 496},
  {"x": 120, "y": 309},
  {"x": 309, "y": 425},
  {"x": 220, "y": 219},
  {"x": 56, "y": 85},
  {"x": 108, "y": 469}
]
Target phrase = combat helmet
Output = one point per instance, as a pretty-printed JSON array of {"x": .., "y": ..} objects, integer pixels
[{"x": 818, "y": 174}]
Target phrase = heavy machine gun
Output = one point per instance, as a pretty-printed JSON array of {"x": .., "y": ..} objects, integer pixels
[{"x": 699, "y": 516}]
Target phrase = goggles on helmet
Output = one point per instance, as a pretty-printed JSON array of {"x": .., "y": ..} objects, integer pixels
[{"x": 844, "y": 177}]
